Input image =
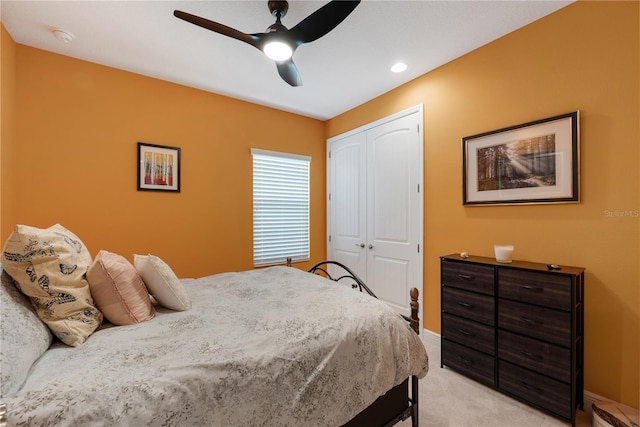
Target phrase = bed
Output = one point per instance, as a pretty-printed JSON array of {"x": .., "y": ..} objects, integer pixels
[{"x": 270, "y": 347}]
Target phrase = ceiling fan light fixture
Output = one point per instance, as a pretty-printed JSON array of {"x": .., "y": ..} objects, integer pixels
[
  {"x": 277, "y": 50},
  {"x": 277, "y": 42}
]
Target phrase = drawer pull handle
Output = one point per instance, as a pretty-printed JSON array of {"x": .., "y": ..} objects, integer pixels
[
  {"x": 531, "y": 387},
  {"x": 464, "y": 304},
  {"x": 466, "y": 276},
  {"x": 465, "y": 360},
  {"x": 531, "y": 321},
  {"x": 532, "y": 288},
  {"x": 465, "y": 332}
]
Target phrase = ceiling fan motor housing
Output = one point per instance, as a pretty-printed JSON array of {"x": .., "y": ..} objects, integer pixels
[{"x": 274, "y": 28}]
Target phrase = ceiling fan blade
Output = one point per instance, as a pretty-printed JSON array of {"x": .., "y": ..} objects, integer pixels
[
  {"x": 322, "y": 21},
  {"x": 289, "y": 72},
  {"x": 252, "y": 39}
]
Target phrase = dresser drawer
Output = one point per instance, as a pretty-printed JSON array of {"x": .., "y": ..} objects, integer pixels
[
  {"x": 473, "y": 277},
  {"x": 470, "y": 333},
  {"x": 469, "y": 305},
  {"x": 472, "y": 363},
  {"x": 516, "y": 327},
  {"x": 547, "y": 359},
  {"x": 546, "y": 289},
  {"x": 552, "y": 395},
  {"x": 549, "y": 325}
]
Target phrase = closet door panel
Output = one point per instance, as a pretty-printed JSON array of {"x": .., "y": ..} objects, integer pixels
[
  {"x": 392, "y": 280},
  {"x": 375, "y": 205},
  {"x": 393, "y": 210},
  {"x": 347, "y": 190}
]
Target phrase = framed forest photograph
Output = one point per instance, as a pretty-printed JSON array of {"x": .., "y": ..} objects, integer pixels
[
  {"x": 158, "y": 168},
  {"x": 535, "y": 162}
]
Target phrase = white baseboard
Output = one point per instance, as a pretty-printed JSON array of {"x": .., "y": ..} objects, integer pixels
[{"x": 432, "y": 342}]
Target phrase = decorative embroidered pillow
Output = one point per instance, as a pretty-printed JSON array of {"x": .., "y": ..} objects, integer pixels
[
  {"x": 162, "y": 282},
  {"x": 50, "y": 266},
  {"x": 118, "y": 290},
  {"x": 24, "y": 338}
]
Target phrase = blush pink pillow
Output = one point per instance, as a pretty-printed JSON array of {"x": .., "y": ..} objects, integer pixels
[{"x": 118, "y": 290}]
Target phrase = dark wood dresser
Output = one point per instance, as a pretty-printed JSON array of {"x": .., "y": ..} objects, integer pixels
[{"x": 518, "y": 328}]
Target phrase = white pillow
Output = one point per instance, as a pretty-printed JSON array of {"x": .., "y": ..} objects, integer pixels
[
  {"x": 161, "y": 282},
  {"x": 23, "y": 336}
]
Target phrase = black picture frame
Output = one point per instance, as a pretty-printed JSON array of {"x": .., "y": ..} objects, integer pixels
[
  {"x": 158, "y": 167},
  {"x": 530, "y": 163}
]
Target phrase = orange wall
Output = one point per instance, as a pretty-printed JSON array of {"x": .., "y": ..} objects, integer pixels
[
  {"x": 7, "y": 125},
  {"x": 77, "y": 128},
  {"x": 584, "y": 57}
]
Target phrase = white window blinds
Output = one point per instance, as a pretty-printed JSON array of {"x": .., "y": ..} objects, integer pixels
[{"x": 280, "y": 207}]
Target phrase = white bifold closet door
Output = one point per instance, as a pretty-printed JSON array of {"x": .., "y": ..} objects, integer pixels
[{"x": 375, "y": 204}]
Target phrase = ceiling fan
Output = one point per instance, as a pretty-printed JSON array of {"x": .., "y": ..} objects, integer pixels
[{"x": 278, "y": 42}]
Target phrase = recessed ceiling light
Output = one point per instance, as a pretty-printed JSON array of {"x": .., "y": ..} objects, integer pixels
[{"x": 399, "y": 67}]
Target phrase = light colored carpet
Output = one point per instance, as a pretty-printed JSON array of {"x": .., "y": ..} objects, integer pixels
[{"x": 452, "y": 400}]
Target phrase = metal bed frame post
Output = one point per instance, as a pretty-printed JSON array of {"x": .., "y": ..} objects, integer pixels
[{"x": 415, "y": 325}]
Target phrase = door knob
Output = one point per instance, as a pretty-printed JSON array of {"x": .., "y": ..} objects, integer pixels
[
  {"x": 359, "y": 244},
  {"x": 370, "y": 246}
]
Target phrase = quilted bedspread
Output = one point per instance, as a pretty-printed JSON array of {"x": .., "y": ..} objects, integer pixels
[{"x": 270, "y": 347}]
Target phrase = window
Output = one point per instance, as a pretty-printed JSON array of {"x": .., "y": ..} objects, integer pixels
[{"x": 280, "y": 207}]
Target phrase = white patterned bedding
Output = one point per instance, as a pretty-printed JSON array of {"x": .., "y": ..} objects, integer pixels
[{"x": 271, "y": 347}]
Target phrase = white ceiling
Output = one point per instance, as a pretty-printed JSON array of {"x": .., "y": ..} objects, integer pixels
[{"x": 348, "y": 66}]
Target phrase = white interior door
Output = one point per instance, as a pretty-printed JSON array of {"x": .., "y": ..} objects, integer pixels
[
  {"x": 347, "y": 203},
  {"x": 394, "y": 206},
  {"x": 375, "y": 206}
]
